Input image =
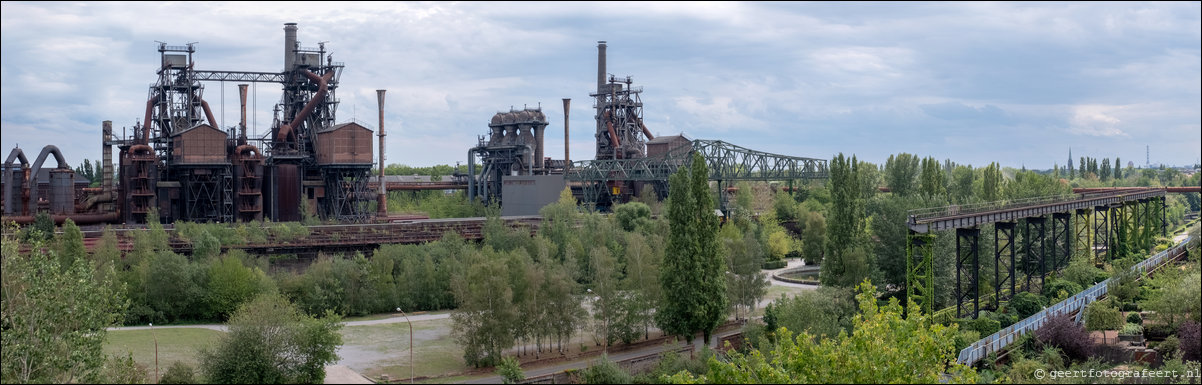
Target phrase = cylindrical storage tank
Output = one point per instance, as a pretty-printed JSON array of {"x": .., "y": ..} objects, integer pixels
[{"x": 62, "y": 191}]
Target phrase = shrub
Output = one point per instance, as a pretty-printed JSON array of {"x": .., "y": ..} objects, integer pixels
[
  {"x": 179, "y": 373},
  {"x": 773, "y": 265},
  {"x": 1130, "y": 306},
  {"x": 1158, "y": 332},
  {"x": 1026, "y": 303},
  {"x": 605, "y": 372},
  {"x": 1168, "y": 347},
  {"x": 510, "y": 370},
  {"x": 966, "y": 337},
  {"x": 1062, "y": 332},
  {"x": 1134, "y": 318},
  {"x": 1059, "y": 289},
  {"x": 1131, "y": 329},
  {"x": 1188, "y": 334}
]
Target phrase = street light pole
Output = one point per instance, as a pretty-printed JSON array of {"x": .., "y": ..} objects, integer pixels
[
  {"x": 410, "y": 344},
  {"x": 156, "y": 353}
]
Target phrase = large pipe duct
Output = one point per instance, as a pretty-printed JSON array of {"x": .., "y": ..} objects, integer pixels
[
  {"x": 107, "y": 155},
  {"x": 289, "y": 46},
  {"x": 8, "y": 177},
  {"x": 242, "y": 119},
  {"x": 322, "y": 84},
  {"x": 37, "y": 166},
  {"x": 79, "y": 219},
  {"x": 382, "y": 203},
  {"x": 600, "y": 65},
  {"x": 567, "y": 160},
  {"x": 209, "y": 114},
  {"x": 146, "y": 120}
]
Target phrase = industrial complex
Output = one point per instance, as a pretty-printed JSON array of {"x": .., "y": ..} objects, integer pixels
[{"x": 179, "y": 161}]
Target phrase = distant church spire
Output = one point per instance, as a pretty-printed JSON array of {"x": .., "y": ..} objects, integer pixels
[{"x": 1070, "y": 158}]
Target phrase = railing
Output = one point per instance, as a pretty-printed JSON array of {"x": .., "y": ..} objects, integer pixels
[{"x": 1003, "y": 338}]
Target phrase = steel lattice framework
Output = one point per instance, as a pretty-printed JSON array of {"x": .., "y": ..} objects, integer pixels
[{"x": 726, "y": 162}]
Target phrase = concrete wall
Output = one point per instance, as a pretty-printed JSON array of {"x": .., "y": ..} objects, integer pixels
[{"x": 526, "y": 194}]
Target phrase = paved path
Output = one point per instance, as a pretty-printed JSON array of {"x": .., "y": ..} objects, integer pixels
[{"x": 222, "y": 328}]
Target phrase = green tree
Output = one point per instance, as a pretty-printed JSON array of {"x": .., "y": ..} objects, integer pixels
[
  {"x": 991, "y": 183},
  {"x": 901, "y": 172},
  {"x": 271, "y": 341},
  {"x": 1102, "y": 315},
  {"x": 813, "y": 238},
  {"x": 932, "y": 179},
  {"x": 1118, "y": 169},
  {"x": 694, "y": 287},
  {"x": 633, "y": 215},
  {"x": 483, "y": 323},
  {"x": 1105, "y": 173},
  {"x": 510, "y": 370},
  {"x": 822, "y": 313},
  {"x": 745, "y": 285},
  {"x": 642, "y": 278},
  {"x": 231, "y": 284},
  {"x": 845, "y": 261},
  {"x": 70, "y": 244},
  {"x": 883, "y": 347},
  {"x": 54, "y": 317},
  {"x": 963, "y": 179}
]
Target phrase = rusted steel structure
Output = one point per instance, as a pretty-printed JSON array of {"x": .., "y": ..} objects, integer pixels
[{"x": 180, "y": 161}]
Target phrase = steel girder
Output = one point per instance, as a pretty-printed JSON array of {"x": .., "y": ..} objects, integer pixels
[
  {"x": 920, "y": 277},
  {"x": 1034, "y": 263},
  {"x": 346, "y": 193},
  {"x": 1082, "y": 235},
  {"x": 1062, "y": 241},
  {"x": 726, "y": 163},
  {"x": 968, "y": 267},
  {"x": 1101, "y": 232},
  {"x": 1003, "y": 262}
]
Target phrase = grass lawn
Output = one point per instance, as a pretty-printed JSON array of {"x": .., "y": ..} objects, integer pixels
[
  {"x": 175, "y": 344},
  {"x": 384, "y": 349}
]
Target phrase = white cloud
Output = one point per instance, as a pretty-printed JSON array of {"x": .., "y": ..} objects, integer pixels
[{"x": 1096, "y": 120}]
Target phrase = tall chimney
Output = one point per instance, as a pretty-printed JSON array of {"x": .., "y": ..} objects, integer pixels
[
  {"x": 289, "y": 46},
  {"x": 106, "y": 153},
  {"x": 600, "y": 65},
  {"x": 382, "y": 200},
  {"x": 567, "y": 160},
  {"x": 242, "y": 121}
]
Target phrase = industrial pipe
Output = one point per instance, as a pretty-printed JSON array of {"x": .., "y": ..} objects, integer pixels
[
  {"x": 322, "y": 85},
  {"x": 209, "y": 114},
  {"x": 613, "y": 136},
  {"x": 8, "y": 176},
  {"x": 566, "y": 104},
  {"x": 382, "y": 196},
  {"x": 79, "y": 219},
  {"x": 242, "y": 119},
  {"x": 37, "y": 166},
  {"x": 146, "y": 121},
  {"x": 645, "y": 130}
]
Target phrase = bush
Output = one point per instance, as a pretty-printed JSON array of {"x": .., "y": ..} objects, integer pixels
[
  {"x": 1062, "y": 332},
  {"x": 1188, "y": 334},
  {"x": 1057, "y": 290},
  {"x": 1130, "y": 306},
  {"x": 983, "y": 325},
  {"x": 966, "y": 337},
  {"x": 510, "y": 370},
  {"x": 1131, "y": 329},
  {"x": 1134, "y": 318},
  {"x": 1026, "y": 303},
  {"x": 773, "y": 265},
  {"x": 179, "y": 373},
  {"x": 1158, "y": 332},
  {"x": 1168, "y": 347},
  {"x": 605, "y": 372}
]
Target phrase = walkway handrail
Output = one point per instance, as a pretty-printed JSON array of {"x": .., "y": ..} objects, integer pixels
[{"x": 1003, "y": 338}]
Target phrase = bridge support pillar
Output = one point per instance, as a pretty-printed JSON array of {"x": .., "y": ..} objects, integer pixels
[
  {"x": 1101, "y": 232},
  {"x": 1003, "y": 262},
  {"x": 1062, "y": 242},
  {"x": 968, "y": 267},
  {"x": 1081, "y": 233},
  {"x": 1034, "y": 264},
  {"x": 920, "y": 279}
]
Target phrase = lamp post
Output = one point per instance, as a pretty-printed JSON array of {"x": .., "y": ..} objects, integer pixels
[
  {"x": 410, "y": 344},
  {"x": 156, "y": 353}
]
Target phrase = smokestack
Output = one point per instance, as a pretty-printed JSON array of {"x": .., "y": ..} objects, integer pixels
[
  {"x": 382, "y": 200},
  {"x": 106, "y": 153},
  {"x": 289, "y": 46},
  {"x": 567, "y": 160},
  {"x": 600, "y": 65},
  {"x": 242, "y": 122}
]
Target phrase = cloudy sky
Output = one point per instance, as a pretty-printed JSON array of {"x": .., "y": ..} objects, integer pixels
[{"x": 1017, "y": 83}]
